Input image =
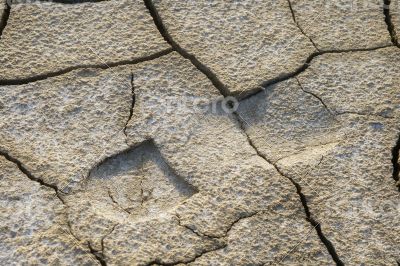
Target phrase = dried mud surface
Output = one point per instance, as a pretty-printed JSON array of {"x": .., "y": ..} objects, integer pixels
[{"x": 164, "y": 132}]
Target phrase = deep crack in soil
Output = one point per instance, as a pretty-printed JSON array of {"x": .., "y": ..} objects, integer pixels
[
  {"x": 97, "y": 254},
  {"x": 225, "y": 92},
  {"x": 168, "y": 38},
  {"x": 327, "y": 243},
  {"x": 105, "y": 65},
  {"x": 4, "y": 18},
  {"x": 395, "y": 162},
  {"x": 388, "y": 20},
  {"x": 301, "y": 69},
  {"x": 298, "y": 25},
  {"x": 28, "y": 174},
  {"x": 133, "y": 100}
]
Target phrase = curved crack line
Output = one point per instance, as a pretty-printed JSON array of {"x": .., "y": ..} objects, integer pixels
[
  {"x": 159, "y": 262},
  {"x": 28, "y": 174},
  {"x": 395, "y": 162},
  {"x": 39, "y": 77},
  {"x": 222, "y": 88},
  {"x": 97, "y": 254},
  {"x": 336, "y": 113},
  {"x": 132, "y": 103},
  {"x": 101, "y": 257},
  {"x": 301, "y": 69},
  {"x": 5, "y": 16},
  {"x": 226, "y": 233},
  {"x": 225, "y": 92},
  {"x": 201, "y": 235},
  {"x": 117, "y": 203},
  {"x": 388, "y": 20},
  {"x": 218, "y": 246},
  {"x": 328, "y": 244},
  {"x": 298, "y": 25},
  {"x": 66, "y": 2},
  {"x": 315, "y": 96},
  {"x": 168, "y": 38}
]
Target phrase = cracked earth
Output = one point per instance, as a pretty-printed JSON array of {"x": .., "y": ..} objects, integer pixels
[{"x": 165, "y": 132}]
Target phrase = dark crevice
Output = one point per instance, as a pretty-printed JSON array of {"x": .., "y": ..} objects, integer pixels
[
  {"x": 97, "y": 254},
  {"x": 4, "y": 17},
  {"x": 67, "y": 2},
  {"x": 168, "y": 38},
  {"x": 251, "y": 93},
  {"x": 213, "y": 77},
  {"x": 298, "y": 25},
  {"x": 193, "y": 231},
  {"x": 328, "y": 244},
  {"x": 28, "y": 174},
  {"x": 388, "y": 19},
  {"x": 111, "y": 197},
  {"x": 241, "y": 217},
  {"x": 314, "y": 95},
  {"x": 159, "y": 262},
  {"x": 395, "y": 162},
  {"x": 143, "y": 196},
  {"x": 132, "y": 103},
  {"x": 141, "y": 193},
  {"x": 78, "y": 1},
  {"x": 104, "y": 237},
  {"x": 102, "y": 241},
  {"x": 225, "y": 234},
  {"x": 196, "y": 232},
  {"x": 218, "y": 246},
  {"x": 116, "y": 202},
  {"x": 335, "y": 113},
  {"x": 39, "y": 77}
]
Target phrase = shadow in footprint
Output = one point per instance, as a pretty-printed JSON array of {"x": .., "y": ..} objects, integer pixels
[{"x": 140, "y": 181}]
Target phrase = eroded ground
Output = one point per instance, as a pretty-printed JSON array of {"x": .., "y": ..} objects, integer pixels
[{"x": 164, "y": 132}]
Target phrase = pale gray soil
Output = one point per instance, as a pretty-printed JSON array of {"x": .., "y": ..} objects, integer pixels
[{"x": 213, "y": 132}]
